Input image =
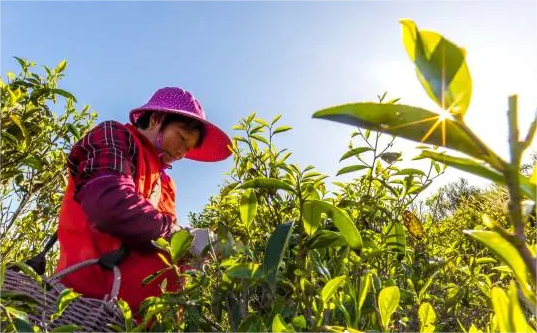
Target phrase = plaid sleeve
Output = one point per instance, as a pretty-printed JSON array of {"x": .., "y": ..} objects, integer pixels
[{"x": 109, "y": 147}]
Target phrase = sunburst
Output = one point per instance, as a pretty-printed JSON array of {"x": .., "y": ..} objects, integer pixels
[{"x": 443, "y": 115}]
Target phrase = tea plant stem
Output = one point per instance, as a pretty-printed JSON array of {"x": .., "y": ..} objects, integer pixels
[
  {"x": 530, "y": 135},
  {"x": 511, "y": 173},
  {"x": 512, "y": 177}
]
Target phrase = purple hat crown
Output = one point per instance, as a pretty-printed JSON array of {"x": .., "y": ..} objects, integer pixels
[{"x": 174, "y": 98}]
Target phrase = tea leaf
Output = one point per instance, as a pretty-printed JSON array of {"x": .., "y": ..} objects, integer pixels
[
  {"x": 440, "y": 66},
  {"x": 388, "y": 302},
  {"x": 281, "y": 129},
  {"x": 331, "y": 286},
  {"x": 275, "y": 250},
  {"x": 351, "y": 168},
  {"x": 248, "y": 207},
  {"x": 180, "y": 244},
  {"x": 427, "y": 317},
  {"x": 341, "y": 221},
  {"x": 508, "y": 253},
  {"x": 409, "y": 122},
  {"x": 266, "y": 183},
  {"x": 279, "y": 325},
  {"x": 354, "y": 152},
  {"x": 311, "y": 216}
]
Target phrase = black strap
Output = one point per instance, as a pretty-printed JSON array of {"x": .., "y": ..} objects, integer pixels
[
  {"x": 107, "y": 260},
  {"x": 112, "y": 258},
  {"x": 38, "y": 262}
]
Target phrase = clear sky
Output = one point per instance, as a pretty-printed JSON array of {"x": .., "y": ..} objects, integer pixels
[{"x": 274, "y": 57}]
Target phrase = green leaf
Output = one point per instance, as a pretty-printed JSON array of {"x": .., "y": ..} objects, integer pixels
[
  {"x": 279, "y": 325},
  {"x": 405, "y": 121},
  {"x": 29, "y": 271},
  {"x": 311, "y": 216},
  {"x": 73, "y": 130},
  {"x": 331, "y": 286},
  {"x": 248, "y": 207},
  {"x": 365, "y": 284},
  {"x": 127, "y": 313},
  {"x": 260, "y": 138},
  {"x": 327, "y": 238},
  {"x": 275, "y": 119},
  {"x": 516, "y": 316},
  {"x": 409, "y": 172},
  {"x": 276, "y": 247},
  {"x": 61, "y": 66},
  {"x": 387, "y": 303},
  {"x": 23, "y": 325},
  {"x": 509, "y": 254},
  {"x": 299, "y": 322},
  {"x": 67, "y": 328},
  {"x": 16, "y": 119},
  {"x": 266, "y": 183},
  {"x": 341, "y": 221},
  {"x": 395, "y": 237},
  {"x": 180, "y": 244},
  {"x": 244, "y": 271},
  {"x": 161, "y": 244},
  {"x": 440, "y": 66},
  {"x": 351, "y": 168},
  {"x": 155, "y": 275},
  {"x": 261, "y": 122},
  {"x": 66, "y": 297},
  {"x": 480, "y": 169},
  {"x": 427, "y": 317},
  {"x": 64, "y": 93},
  {"x": 465, "y": 164},
  {"x": 426, "y": 285},
  {"x": 500, "y": 303},
  {"x": 17, "y": 313},
  {"x": 282, "y": 129},
  {"x": 354, "y": 152}
]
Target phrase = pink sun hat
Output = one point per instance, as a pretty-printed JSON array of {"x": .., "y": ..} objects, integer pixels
[{"x": 214, "y": 146}]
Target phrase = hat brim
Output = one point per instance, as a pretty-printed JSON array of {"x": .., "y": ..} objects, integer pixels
[{"x": 215, "y": 144}]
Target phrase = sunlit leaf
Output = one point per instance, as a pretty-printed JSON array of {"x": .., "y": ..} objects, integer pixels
[
  {"x": 409, "y": 172},
  {"x": 351, "y": 168},
  {"x": 281, "y": 129},
  {"x": 480, "y": 169},
  {"x": 427, "y": 317},
  {"x": 331, "y": 287},
  {"x": 500, "y": 303},
  {"x": 66, "y": 297},
  {"x": 409, "y": 122},
  {"x": 248, "y": 207},
  {"x": 266, "y": 183},
  {"x": 354, "y": 152},
  {"x": 440, "y": 66},
  {"x": 180, "y": 243},
  {"x": 517, "y": 318},
  {"x": 311, "y": 216},
  {"x": 279, "y": 325},
  {"x": 155, "y": 275},
  {"x": 509, "y": 254},
  {"x": 388, "y": 301},
  {"x": 64, "y": 93},
  {"x": 61, "y": 66}
]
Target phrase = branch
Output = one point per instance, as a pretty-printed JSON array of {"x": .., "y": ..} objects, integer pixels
[{"x": 531, "y": 133}]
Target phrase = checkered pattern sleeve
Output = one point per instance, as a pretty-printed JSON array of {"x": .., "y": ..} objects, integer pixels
[{"x": 107, "y": 148}]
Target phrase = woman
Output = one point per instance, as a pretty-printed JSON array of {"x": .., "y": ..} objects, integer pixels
[{"x": 118, "y": 193}]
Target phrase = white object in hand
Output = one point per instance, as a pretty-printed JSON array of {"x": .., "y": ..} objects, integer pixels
[{"x": 202, "y": 238}]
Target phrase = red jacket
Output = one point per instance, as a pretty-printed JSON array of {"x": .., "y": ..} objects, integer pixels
[{"x": 80, "y": 240}]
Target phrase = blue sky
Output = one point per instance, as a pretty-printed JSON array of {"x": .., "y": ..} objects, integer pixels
[{"x": 273, "y": 57}]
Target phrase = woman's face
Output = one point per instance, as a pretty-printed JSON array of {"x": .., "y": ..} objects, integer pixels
[{"x": 177, "y": 141}]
